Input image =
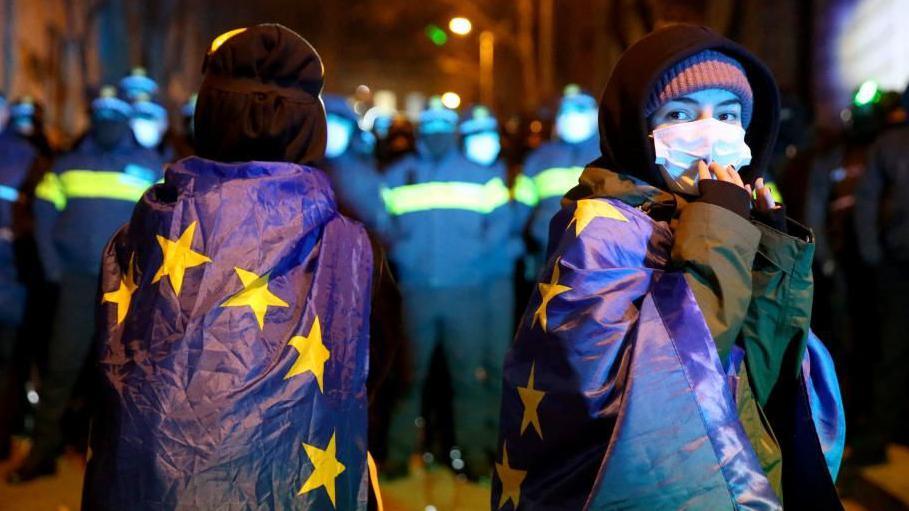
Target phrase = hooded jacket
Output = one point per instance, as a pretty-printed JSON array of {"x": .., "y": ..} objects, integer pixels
[
  {"x": 259, "y": 100},
  {"x": 670, "y": 338}
]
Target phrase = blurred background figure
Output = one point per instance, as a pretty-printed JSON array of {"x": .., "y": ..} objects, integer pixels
[
  {"x": 554, "y": 168},
  {"x": 353, "y": 174},
  {"x": 149, "y": 124},
  {"x": 445, "y": 213},
  {"x": 16, "y": 156},
  {"x": 394, "y": 135},
  {"x": 25, "y": 155},
  {"x": 89, "y": 193},
  {"x": 882, "y": 232},
  {"x": 482, "y": 143}
]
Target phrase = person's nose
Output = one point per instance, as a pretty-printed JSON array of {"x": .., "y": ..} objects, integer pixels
[{"x": 706, "y": 113}]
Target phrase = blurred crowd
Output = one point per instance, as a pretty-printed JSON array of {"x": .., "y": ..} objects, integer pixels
[{"x": 461, "y": 201}]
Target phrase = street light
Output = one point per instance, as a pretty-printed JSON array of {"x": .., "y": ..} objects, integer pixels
[
  {"x": 460, "y": 25},
  {"x": 451, "y": 100}
]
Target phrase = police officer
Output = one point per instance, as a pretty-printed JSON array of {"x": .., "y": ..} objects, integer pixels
[
  {"x": 16, "y": 157},
  {"x": 442, "y": 210},
  {"x": 482, "y": 145},
  {"x": 353, "y": 175},
  {"x": 554, "y": 168},
  {"x": 149, "y": 125},
  {"x": 89, "y": 193}
]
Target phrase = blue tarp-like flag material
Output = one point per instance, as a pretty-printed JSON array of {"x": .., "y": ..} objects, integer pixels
[
  {"x": 614, "y": 395},
  {"x": 233, "y": 346}
]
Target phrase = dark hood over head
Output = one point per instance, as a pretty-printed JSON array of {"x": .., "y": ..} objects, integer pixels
[
  {"x": 624, "y": 136},
  {"x": 259, "y": 98}
]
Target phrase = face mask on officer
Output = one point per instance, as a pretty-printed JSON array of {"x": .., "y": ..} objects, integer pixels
[
  {"x": 340, "y": 131},
  {"x": 147, "y": 132},
  {"x": 575, "y": 126},
  {"x": 482, "y": 148}
]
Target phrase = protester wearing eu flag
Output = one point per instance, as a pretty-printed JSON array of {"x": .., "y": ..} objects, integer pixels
[
  {"x": 88, "y": 194},
  {"x": 554, "y": 168},
  {"x": 235, "y": 308},
  {"x": 666, "y": 361},
  {"x": 442, "y": 217}
]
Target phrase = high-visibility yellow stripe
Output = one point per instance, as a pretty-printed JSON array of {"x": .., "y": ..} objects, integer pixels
[
  {"x": 50, "y": 190},
  {"x": 90, "y": 184},
  {"x": 481, "y": 198},
  {"x": 555, "y": 182},
  {"x": 525, "y": 191}
]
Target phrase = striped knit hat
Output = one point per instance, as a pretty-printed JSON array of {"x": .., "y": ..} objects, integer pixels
[{"x": 708, "y": 69}]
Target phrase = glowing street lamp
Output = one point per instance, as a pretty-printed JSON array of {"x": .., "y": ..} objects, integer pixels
[
  {"x": 460, "y": 25},
  {"x": 451, "y": 100}
]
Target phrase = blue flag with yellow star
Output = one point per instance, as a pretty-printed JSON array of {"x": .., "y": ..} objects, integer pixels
[
  {"x": 233, "y": 345},
  {"x": 614, "y": 396}
]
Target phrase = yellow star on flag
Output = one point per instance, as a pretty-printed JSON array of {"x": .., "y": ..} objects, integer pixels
[
  {"x": 255, "y": 295},
  {"x": 313, "y": 354},
  {"x": 530, "y": 398},
  {"x": 547, "y": 293},
  {"x": 178, "y": 256},
  {"x": 124, "y": 294},
  {"x": 588, "y": 209},
  {"x": 511, "y": 481},
  {"x": 325, "y": 469}
]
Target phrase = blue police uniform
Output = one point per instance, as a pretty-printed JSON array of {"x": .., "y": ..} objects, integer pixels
[
  {"x": 554, "y": 168},
  {"x": 444, "y": 213},
  {"x": 87, "y": 195},
  {"x": 354, "y": 176}
]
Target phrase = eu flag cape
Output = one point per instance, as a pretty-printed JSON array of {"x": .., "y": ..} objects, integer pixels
[
  {"x": 233, "y": 346},
  {"x": 614, "y": 395}
]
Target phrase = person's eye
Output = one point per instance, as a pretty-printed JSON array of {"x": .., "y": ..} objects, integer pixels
[
  {"x": 678, "y": 116},
  {"x": 728, "y": 117}
]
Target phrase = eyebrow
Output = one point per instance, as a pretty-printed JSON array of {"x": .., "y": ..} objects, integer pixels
[{"x": 689, "y": 101}]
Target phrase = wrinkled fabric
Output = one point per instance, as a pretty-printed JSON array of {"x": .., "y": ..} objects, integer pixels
[
  {"x": 638, "y": 412},
  {"x": 198, "y": 409}
]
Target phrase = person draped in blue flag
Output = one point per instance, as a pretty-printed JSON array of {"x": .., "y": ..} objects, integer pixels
[
  {"x": 666, "y": 361},
  {"x": 235, "y": 308}
]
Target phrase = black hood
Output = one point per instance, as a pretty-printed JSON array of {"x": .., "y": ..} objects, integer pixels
[
  {"x": 624, "y": 135},
  {"x": 259, "y": 99}
]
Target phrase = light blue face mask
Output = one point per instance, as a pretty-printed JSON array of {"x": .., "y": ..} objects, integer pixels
[
  {"x": 482, "y": 148},
  {"x": 147, "y": 132},
  {"x": 340, "y": 130},
  {"x": 576, "y": 126}
]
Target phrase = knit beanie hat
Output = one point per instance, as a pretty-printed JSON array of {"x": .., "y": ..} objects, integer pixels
[{"x": 708, "y": 69}]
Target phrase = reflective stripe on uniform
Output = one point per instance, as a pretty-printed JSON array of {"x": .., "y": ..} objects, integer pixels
[
  {"x": 481, "y": 198},
  {"x": 525, "y": 191},
  {"x": 51, "y": 190},
  {"x": 90, "y": 184},
  {"x": 555, "y": 182},
  {"x": 8, "y": 193}
]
